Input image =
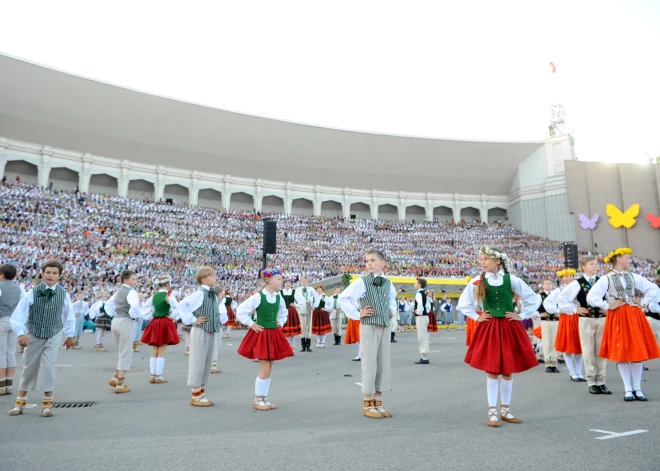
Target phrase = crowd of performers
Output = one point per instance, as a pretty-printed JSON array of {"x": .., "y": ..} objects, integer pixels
[{"x": 588, "y": 320}]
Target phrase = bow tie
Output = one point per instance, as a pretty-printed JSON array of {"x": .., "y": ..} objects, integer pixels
[
  {"x": 212, "y": 292},
  {"x": 378, "y": 281},
  {"x": 47, "y": 293}
]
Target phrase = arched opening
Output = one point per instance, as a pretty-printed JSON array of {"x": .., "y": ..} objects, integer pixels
[
  {"x": 63, "y": 179},
  {"x": 302, "y": 206},
  {"x": 388, "y": 212},
  {"x": 272, "y": 204},
  {"x": 497, "y": 214},
  {"x": 103, "y": 184},
  {"x": 415, "y": 213},
  {"x": 209, "y": 198},
  {"x": 141, "y": 190},
  {"x": 178, "y": 194},
  {"x": 241, "y": 201},
  {"x": 360, "y": 211},
  {"x": 27, "y": 172},
  {"x": 443, "y": 214},
  {"x": 470, "y": 214},
  {"x": 331, "y": 209}
]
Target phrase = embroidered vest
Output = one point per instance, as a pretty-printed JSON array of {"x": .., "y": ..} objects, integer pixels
[
  {"x": 267, "y": 312},
  {"x": 616, "y": 289},
  {"x": 499, "y": 299},
  {"x": 585, "y": 287}
]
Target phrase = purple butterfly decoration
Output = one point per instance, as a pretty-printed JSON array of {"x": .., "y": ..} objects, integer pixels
[{"x": 587, "y": 223}]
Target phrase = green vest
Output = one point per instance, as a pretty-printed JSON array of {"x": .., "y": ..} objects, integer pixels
[
  {"x": 499, "y": 299},
  {"x": 321, "y": 303},
  {"x": 45, "y": 317},
  {"x": 228, "y": 301},
  {"x": 289, "y": 299},
  {"x": 161, "y": 306},
  {"x": 377, "y": 297},
  {"x": 267, "y": 313}
]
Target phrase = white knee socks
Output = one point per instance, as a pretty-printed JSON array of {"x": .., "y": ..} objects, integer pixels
[
  {"x": 99, "y": 336},
  {"x": 160, "y": 366},
  {"x": 492, "y": 387},
  {"x": 359, "y": 355},
  {"x": 507, "y": 388},
  {"x": 227, "y": 329},
  {"x": 624, "y": 371},
  {"x": 292, "y": 341},
  {"x": 569, "y": 358},
  {"x": 261, "y": 387},
  {"x": 636, "y": 371},
  {"x": 152, "y": 366}
]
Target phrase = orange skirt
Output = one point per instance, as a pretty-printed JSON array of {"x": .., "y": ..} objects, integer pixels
[
  {"x": 628, "y": 336},
  {"x": 470, "y": 328},
  {"x": 536, "y": 332},
  {"x": 568, "y": 334},
  {"x": 352, "y": 332}
]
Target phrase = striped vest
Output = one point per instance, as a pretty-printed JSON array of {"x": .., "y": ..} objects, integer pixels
[
  {"x": 377, "y": 297},
  {"x": 209, "y": 309},
  {"x": 45, "y": 315},
  {"x": 11, "y": 295},
  {"x": 122, "y": 307}
]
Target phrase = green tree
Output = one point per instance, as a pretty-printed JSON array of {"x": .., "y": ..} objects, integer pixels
[{"x": 346, "y": 279}]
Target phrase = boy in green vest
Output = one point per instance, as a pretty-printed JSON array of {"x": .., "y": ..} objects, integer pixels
[
  {"x": 371, "y": 300},
  {"x": 39, "y": 319}
]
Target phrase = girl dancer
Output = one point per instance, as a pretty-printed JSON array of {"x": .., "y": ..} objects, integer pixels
[
  {"x": 292, "y": 327},
  {"x": 321, "y": 326},
  {"x": 222, "y": 307},
  {"x": 264, "y": 339},
  {"x": 568, "y": 331},
  {"x": 627, "y": 337},
  {"x": 433, "y": 320},
  {"x": 500, "y": 345},
  {"x": 137, "y": 328},
  {"x": 353, "y": 336},
  {"x": 161, "y": 331},
  {"x": 102, "y": 321},
  {"x": 230, "y": 306}
]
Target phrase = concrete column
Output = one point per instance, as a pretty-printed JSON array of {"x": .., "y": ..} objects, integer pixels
[
  {"x": 429, "y": 210},
  {"x": 122, "y": 182},
  {"x": 44, "y": 167},
  {"x": 374, "y": 208},
  {"x": 160, "y": 187},
  {"x": 193, "y": 191},
  {"x": 226, "y": 194},
  {"x": 258, "y": 197},
  {"x": 3, "y": 160},
  {"x": 402, "y": 209},
  {"x": 457, "y": 209},
  {"x": 85, "y": 176},
  {"x": 317, "y": 204}
]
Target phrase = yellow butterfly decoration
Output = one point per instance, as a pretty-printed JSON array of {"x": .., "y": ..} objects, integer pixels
[{"x": 618, "y": 219}]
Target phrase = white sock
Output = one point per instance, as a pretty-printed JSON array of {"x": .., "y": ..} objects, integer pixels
[
  {"x": 570, "y": 363},
  {"x": 152, "y": 366},
  {"x": 492, "y": 388},
  {"x": 506, "y": 388},
  {"x": 99, "y": 337},
  {"x": 323, "y": 339},
  {"x": 359, "y": 355},
  {"x": 636, "y": 370},
  {"x": 227, "y": 329},
  {"x": 260, "y": 386},
  {"x": 267, "y": 387},
  {"x": 292, "y": 341},
  {"x": 578, "y": 364},
  {"x": 160, "y": 366},
  {"x": 624, "y": 371}
]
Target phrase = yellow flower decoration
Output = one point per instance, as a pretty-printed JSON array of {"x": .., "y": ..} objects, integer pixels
[
  {"x": 619, "y": 251},
  {"x": 568, "y": 271}
]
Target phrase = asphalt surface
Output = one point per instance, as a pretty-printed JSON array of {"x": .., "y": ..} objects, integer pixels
[{"x": 439, "y": 417}]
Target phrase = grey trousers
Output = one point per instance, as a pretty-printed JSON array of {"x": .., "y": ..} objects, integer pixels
[
  {"x": 123, "y": 331},
  {"x": 375, "y": 345},
  {"x": 7, "y": 344},
  {"x": 336, "y": 326},
  {"x": 201, "y": 357},
  {"x": 217, "y": 341},
  {"x": 39, "y": 357}
]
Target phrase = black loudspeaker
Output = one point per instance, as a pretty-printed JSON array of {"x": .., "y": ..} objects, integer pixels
[
  {"x": 270, "y": 236},
  {"x": 571, "y": 256}
]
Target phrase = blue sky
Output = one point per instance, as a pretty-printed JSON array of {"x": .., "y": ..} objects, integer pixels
[{"x": 463, "y": 70}]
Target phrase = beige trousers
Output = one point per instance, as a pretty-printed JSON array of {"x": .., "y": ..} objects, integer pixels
[
  {"x": 39, "y": 362},
  {"x": 217, "y": 341},
  {"x": 201, "y": 357},
  {"x": 549, "y": 335},
  {"x": 123, "y": 332},
  {"x": 306, "y": 322},
  {"x": 375, "y": 345},
  {"x": 7, "y": 344},
  {"x": 422, "y": 323},
  {"x": 591, "y": 336},
  {"x": 336, "y": 319}
]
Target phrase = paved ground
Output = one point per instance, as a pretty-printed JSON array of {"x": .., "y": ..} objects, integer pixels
[{"x": 439, "y": 418}]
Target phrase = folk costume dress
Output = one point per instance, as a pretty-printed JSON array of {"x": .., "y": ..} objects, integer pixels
[
  {"x": 271, "y": 314},
  {"x": 568, "y": 334},
  {"x": 321, "y": 320},
  {"x": 102, "y": 322},
  {"x": 161, "y": 330},
  {"x": 230, "y": 305},
  {"x": 291, "y": 298},
  {"x": 500, "y": 346},
  {"x": 433, "y": 320}
]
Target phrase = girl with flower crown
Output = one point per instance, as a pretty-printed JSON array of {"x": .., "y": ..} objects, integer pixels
[
  {"x": 499, "y": 345},
  {"x": 265, "y": 340},
  {"x": 627, "y": 337},
  {"x": 568, "y": 330},
  {"x": 160, "y": 309}
]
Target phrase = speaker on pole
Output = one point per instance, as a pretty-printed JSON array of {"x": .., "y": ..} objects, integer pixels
[
  {"x": 270, "y": 236},
  {"x": 571, "y": 256}
]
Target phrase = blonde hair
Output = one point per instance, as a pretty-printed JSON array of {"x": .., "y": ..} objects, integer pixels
[
  {"x": 480, "y": 292},
  {"x": 203, "y": 273},
  {"x": 587, "y": 259}
]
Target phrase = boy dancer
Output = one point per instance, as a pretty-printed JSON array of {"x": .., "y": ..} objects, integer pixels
[
  {"x": 305, "y": 310},
  {"x": 10, "y": 295},
  {"x": 421, "y": 311},
  {"x": 549, "y": 325},
  {"x": 371, "y": 300},
  {"x": 336, "y": 315},
  {"x": 38, "y": 321}
]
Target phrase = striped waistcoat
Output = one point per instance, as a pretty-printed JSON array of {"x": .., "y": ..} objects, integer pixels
[
  {"x": 45, "y": 317},
  {"x": 209, "y": 309},
  {"x": 377, "y": 297}
]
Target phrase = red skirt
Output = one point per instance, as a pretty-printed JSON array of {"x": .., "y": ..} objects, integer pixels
[
  {"x": 269, "y": 344},
  {"x": 433, "y": 322},
  {"x": 568, "y": 334},
  {"x": 160, "y": 331},
  {"x": 352, "y": 332},
  {"x": 500, "y": 346},
  {"x": 628, "y": 336},
  {"x": 470, "y": 328},
  {"x": 321, "y": 322},
  {"x": 292, "y": 326},
  {"x": 231, "y": 317}
]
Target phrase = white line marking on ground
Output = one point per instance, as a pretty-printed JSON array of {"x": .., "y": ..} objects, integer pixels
[
  {"x": 359, "y": 384},
  {"x": 30, "y": 406},
  {"x": 434, "y": 351},
  {"x": 63, "y": 365},
  {"x": 450, "y": 338},
  {"x": 609, "y": 435}
]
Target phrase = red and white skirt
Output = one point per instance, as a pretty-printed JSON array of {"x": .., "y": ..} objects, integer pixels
[
  {"x": 160, "y": 331},
  {"x": 352, "y": 332},
  {"x": 501, "y": 346},
  {"x": 433, "y": 322},
  {"x": 321, "y": 322},
  {"x": 231, "y": 317},
  {"x": 292, "y": 326},
  {"x": 628, "y": 337},
  {"x": 269, "y": 344},
  {"x": 568, "y": 334}
]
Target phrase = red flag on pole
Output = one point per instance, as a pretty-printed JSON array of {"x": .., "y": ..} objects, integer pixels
[{"x": 554, "y": 68}]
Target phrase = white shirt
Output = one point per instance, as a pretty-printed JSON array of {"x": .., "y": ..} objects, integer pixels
[
  {"x": 356, "y": 291},
  {"x": 132, "y": 299},
  {"x": 19, "y": 318},
  {"x": 310, "y": 298},
  {"x": 418, "y": 298},
  {"x": 531, "y": 301},
  {"x": 194, "y": 301},
  {"x": 80, "y": 308},
  {"x": 329, "y": 302},
  {"x": 602, "y": 286},
  {"x": 654, "y": 306},
  {"x": 567, "y": 298},
  {"x": 95, "y": 310},
  {"x": 551, "y": 303},
  {"x": 147, "y": 311},
  {"x": 245, "y": 309},
  {"x": 298, "y": 298}
]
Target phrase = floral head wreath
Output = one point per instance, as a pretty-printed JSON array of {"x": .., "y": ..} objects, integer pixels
[
  {"x": 270, "y": 273},
  {"x": 566, "y": 272},
  {"x": 614, "y": 253},
  {"x": 493, "y": 253},
  {"x": 162, "y": 280}
]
